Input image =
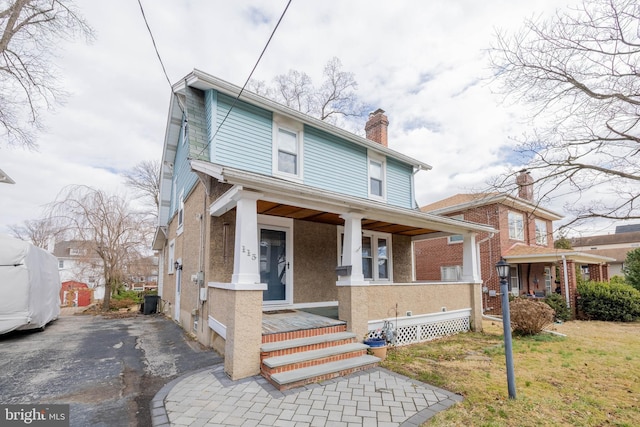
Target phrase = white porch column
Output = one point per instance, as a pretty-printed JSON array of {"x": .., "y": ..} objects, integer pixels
[
  {"x": 246, "y": 260},
  {"x": 353, "y": 291},
  {"x": 352, "y": 249},
  {"x": 470, "y": 261}
]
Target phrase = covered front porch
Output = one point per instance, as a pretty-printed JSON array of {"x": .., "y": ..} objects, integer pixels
[
  {"x": 295, "y": 247},
  {"x": 538, "y": 272}
]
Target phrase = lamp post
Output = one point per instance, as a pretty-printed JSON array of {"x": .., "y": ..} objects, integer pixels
[{"x": 503, "y": 272}]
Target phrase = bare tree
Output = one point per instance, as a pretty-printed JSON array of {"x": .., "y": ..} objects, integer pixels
[
  {"x": 144, "y": 179},
  {"x": 108, "y": 226},
  {"x": 29, "y": 32},
  {"x": 335, "y": 98},
  {"x": 579, "y": 72},
  {"x": 40, "y": 232}
]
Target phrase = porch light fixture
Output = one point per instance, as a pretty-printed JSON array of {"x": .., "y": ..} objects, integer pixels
[
  {"x": 503, "y": 268},
  {"x": 177, "y": 265}
]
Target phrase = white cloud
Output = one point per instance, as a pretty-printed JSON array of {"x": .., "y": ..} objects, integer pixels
[{"x": 422, "y": 62}]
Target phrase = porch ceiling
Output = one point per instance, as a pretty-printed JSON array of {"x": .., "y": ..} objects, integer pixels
[{"x": 296, "y": 212}]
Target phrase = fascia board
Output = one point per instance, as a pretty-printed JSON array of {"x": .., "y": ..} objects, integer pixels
[
  {"x": 203, "y": 81},
  {"x": 504, "y": 199},
  {"x": 281, "y": 191},
  {"x": 580, "y": 257}
]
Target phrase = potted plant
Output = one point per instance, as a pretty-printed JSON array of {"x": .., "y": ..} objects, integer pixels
[{"x": 377, "y": 342}]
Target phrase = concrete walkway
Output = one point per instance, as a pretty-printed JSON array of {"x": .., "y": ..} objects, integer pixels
[{"x": 375, "y": 397}]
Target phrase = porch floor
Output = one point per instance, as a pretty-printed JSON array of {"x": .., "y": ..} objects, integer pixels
[{"x": 278, "y": 321}]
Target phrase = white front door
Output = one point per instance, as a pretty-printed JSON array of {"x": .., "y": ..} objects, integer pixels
[{"x": 176, "y": 314}]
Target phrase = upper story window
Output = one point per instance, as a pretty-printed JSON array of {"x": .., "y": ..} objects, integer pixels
[
  {"x": 287, "y": 148},
  {"x": 541, "y": 232},
  {"x": 516, "y": 226},
  {"x": 456, "y": 238},
  {"x": 377, "y": 175},
  {"x": 61, "y": 263},
  {"x": 180, "y": 214}
]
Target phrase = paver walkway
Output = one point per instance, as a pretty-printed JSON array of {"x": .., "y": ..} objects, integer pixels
[{"x": 375, "y": 397}]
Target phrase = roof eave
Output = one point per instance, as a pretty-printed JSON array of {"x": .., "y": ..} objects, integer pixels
[
  {"x": 335, "y": 202},
  {"x": 203, "y": 81}
]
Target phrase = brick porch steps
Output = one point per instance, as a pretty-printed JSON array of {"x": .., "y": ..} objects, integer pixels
[
  {"x": 312, "y": 356},
  {"x": 299, "y": 377}
]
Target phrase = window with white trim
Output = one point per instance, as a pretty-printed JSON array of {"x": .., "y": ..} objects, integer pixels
[
  {"x": 514, "y": 283},
  {"x": 451, "y": 273},
  {"x": 516, "y": 226},
  {"x": 376, "y": 255},
  {"x": 171, "y": 256},
  {"x": 180, "y": 214},
  {"x": 456, "y": 238},
  {"x": 287, "y": 148},
  {"x": 377, "y": 175},
  {"x": 541, "y": 232}
]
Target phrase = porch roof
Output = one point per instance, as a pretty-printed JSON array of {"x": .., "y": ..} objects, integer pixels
[
  {"x": 520, "y": 254},
  {"x": 283, "y": 198}
]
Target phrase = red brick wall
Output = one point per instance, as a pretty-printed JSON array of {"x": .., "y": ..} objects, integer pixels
[{"x": 436, "y": 253}]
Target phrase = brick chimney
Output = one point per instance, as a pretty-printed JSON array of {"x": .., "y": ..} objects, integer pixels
[
  {"x": 376, "y": 127},
  {"x": 525, "y": 185}
]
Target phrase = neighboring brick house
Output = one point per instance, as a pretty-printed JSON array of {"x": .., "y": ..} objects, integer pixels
[
  {"x": 524, "y": 240},
  {"x": 266, "y": 211},
  {"x": 614, "y": 246}
]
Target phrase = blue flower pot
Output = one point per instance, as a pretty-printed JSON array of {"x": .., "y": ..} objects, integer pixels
[{"x": 375, "y": 342}]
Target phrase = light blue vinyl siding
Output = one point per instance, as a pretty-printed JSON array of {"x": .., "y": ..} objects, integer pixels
[
  {"x": 334, "y": 164},
  {"x": 184, "y": 178},
  {"x": 244, "y": 140},
  {"x": 399, "y": 176}
]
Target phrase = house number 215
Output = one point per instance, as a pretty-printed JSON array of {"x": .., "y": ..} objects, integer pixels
[{"x": 248, "y": 252}]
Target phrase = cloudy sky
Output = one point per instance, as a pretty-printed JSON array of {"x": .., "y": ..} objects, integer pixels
[{"x": 424, "y": 63}]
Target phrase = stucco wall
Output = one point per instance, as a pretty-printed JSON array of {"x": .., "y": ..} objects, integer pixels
[
  {"x": 417, "y": 298},
  {"x": 315, "y": 260},
  {"x": 401, "y": 256}
]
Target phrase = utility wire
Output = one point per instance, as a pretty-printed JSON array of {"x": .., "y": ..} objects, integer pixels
[
  {"x": 155, "y": 47},
  {"x": 235, "y": 101},
  {"x": 153, "y": 40}
]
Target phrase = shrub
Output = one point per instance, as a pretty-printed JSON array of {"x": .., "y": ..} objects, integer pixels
[
  {"x": 127, "y": 295},
  {"x": 616, "y": 302},
  {"x": 559, "y": 305},
  {"x": 529, "y": 316}
]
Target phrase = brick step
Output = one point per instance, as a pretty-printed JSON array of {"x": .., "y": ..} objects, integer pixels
[
  {"x": 298, "y": 377},
  {"x": 298, "y": 343},
  {"x": 303, "y": 333},
  {"x": 272, "y": 365}
]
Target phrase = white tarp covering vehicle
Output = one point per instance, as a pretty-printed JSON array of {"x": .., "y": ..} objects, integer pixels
[{"x": 29, "y": 286}]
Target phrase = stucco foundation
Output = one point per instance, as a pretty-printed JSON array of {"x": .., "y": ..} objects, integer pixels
[{"x": 244, "y": 334}]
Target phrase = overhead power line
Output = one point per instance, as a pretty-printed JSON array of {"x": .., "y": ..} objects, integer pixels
[{"x": 235, "y": 101}]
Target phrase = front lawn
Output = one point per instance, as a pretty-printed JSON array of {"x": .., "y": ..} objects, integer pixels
[{"x": 589, "y": 378}]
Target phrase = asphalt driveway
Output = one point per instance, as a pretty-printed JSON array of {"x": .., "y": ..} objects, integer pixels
[{"x": 108, "y": 370}]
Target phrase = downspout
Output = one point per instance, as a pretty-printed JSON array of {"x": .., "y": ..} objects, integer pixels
[{"x": 566, "y": 280}]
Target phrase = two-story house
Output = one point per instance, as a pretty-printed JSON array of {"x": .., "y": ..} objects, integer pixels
[
  {"x": 77, "y": 262},
  {"x": 268, "y": 214},
  {"x": 524, "y": 239}
]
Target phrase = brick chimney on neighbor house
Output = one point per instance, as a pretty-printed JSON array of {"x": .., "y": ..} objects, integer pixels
[
  {"x": 525, "y": 185},
  {"x": 376, "y": 127}
]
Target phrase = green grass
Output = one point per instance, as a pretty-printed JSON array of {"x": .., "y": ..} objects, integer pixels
[{"x": 591, "y": 377}]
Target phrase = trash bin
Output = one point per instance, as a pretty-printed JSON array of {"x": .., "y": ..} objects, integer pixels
[{"x": 150, "y": 304}]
